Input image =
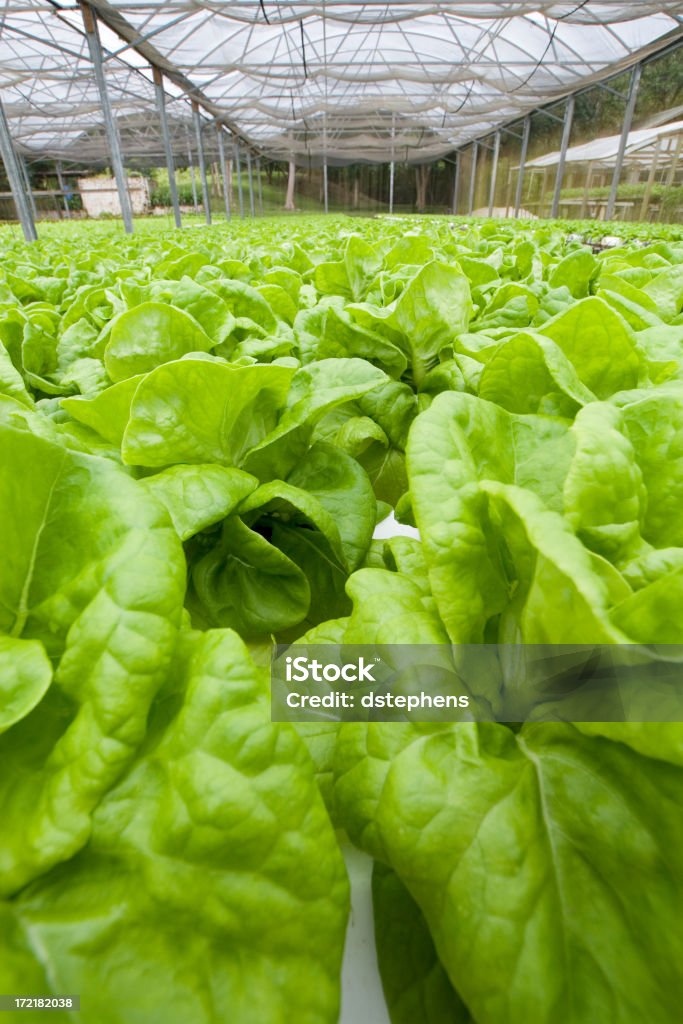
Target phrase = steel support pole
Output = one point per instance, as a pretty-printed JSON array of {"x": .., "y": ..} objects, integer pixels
[
  {"x": 27, "y": 186},
  {"x": 671, "y": 174},
  {"x": 168, "y": 151},
  {"x": 566, "y": 132},
  {"x": 95, "y": 50},
  {"x": 240, "y": 194},
  {"x": 325, "y": 196},
  {"x": 650, "y": 180},
  {"x": 9, "y": 158},
  {"x": 586, "y": 190},
  {"x": 392, "y": 165},
  {"x": 494, "y": 172},
  {"x": 526, "y": 131},
  {"x": 206, "y": 200},
  {"x": 541, "y": 202},
  {"x": 193, "y": 183},
  {"x": 508, "y": 192},
  {"x": 224, "y": 176},
  {"x": 250, "y": 180},
  {"x": 62, "y": 189},
  {"x": 259, "y": 184},
  {"x": 456, "y": 181},
  {"x": 628, "y": 119},
  {"x": 473, "y": 177}
]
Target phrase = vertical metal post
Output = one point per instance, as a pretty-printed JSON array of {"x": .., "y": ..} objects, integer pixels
[
  {"x": 541, "y": 206},
  {"x": 541, "y": 198},
  {"x": 27, "y": 186},
  {"x": 674, "y": 161},
  {"x": 391, "y": 165},
  {"x": 193, "y": 183},
  {"x": 586, "y": 190},
  {"x": 168, "y": 152},
  {"x": 240, "y": 194},
  {"x": 224, "y": 176},
  {"x": 250, "y": 181},
  {"x": 259, "y": 184},
  {"x": 526, "y": 130},
  {"x": 325, "y": 196},
  {"x": 95, "y": 50},
  {"x": 650, "y": 180},
  {"x": 206, "y": 200},
  {"x": 62, "y": 189},
  {"x": 628, "y": 118},
  {"x": 456, "y": 180},
  {"x": 508, "y": 190},
  {"x": 494, "y": 172},
  {"x": 473, "y": 177},
  {"x": 9, "y": 158},
  {"x": 566, "y": 132}
]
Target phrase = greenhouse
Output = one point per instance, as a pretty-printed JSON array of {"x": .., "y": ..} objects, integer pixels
[
  {"x": 341, "y": 483},
  {"x": 470, "y": 90}
]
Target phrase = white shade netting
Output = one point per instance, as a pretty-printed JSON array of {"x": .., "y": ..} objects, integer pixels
[{"x": 409, "y": 81}]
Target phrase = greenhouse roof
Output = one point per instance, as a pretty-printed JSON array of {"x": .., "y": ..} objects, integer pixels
[
  {"x": 640, "y": 148},
  {"x": 411, "y": 80}
]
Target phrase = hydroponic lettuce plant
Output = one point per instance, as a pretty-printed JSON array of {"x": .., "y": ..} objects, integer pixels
[{"x": 198, "y": 435}]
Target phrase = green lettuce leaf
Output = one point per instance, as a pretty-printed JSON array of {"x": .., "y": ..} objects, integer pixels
[
  {"x": 25, "y": 675},
  {"x": 199, "y": 496},
  {"x": 521, "y": 851},
  {"x": 215, "y": 844},
  {"x": 416, "y": 986},
  {"x": 600, "y": 345},
  {"x": 95, "y": 574},
  {"x": 148, "y": 335},
  {"x": 199, "y": 410},
  {"x": 246, "y": 583}
]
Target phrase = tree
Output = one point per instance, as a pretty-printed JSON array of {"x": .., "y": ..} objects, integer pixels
[
  {"x": 291, "y": 181},
  {"x": 422, "y": 174}
]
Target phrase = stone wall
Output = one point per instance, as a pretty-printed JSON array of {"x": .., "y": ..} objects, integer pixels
[{"x": 100, "y": 196}]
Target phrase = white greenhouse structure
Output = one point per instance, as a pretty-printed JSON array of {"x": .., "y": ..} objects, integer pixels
[{"x": 225, "y": 87}]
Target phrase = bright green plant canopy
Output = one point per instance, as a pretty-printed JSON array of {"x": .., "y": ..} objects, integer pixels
[{"x": 199, "y": 432}]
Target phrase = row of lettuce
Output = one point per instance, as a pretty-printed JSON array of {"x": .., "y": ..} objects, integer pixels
[{"x": 199, "y": 433}]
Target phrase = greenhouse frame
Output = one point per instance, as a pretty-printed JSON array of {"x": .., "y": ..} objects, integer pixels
[{"x": 319, "y": 85}]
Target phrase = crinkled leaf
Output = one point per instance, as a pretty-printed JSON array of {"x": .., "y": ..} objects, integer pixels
[
  {"x": 246, "y": 583},
  {"x": 25, "y": 675},
  {"x": 600, "y": 345},
  {"x": 199, "y": 496},
  {"x": 199, "y": 410},
  {"x": 216, "y": 844},
  {"x": 521, "y": 853},
  {"x": 148, "y": 335},
  {"x": 416, "y": 986},
  {"x": 92, "y": 570}
]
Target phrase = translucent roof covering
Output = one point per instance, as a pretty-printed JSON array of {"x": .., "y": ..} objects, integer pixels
[
  {"x": 640, "y": 148},
  {"x": 411, "y": 80},
  {"x": 49, "y": 91}
]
